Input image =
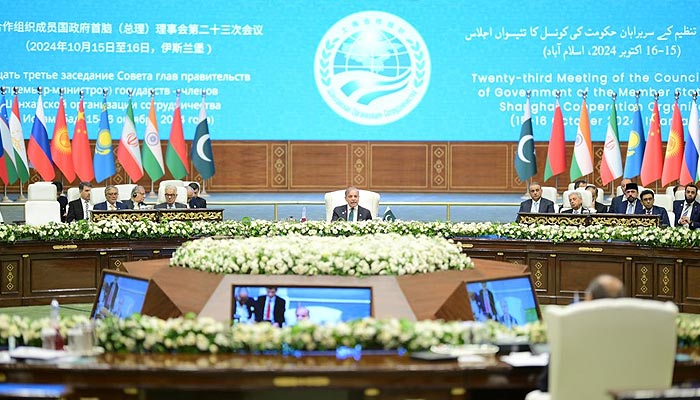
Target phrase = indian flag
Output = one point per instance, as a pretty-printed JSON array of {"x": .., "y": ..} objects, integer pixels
[{"x": 582, "y": 162}]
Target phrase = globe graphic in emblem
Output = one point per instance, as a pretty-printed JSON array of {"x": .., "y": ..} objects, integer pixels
[{"x": 372, "y": 68}]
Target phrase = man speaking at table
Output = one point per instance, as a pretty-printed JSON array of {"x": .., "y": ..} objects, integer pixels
[{"x": 352, "y": 211}]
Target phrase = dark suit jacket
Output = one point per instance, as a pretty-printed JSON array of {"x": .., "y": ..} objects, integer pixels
[
  {"x": 615, "y": 203},
  {"x": 546, "y": 206},
  {"x": 694, "y": 213},
  {"x": 165, "y": 205},
  {"x": 600, "y": 208},
  {"x": 277, "y": 312},
  {"x": 75, "y": 211},
  {"x": 481, "y": 303},
  {"x": 249, "y": 304},
  {"x": 621, "y": 207},
  {"x": 130, "y": 204},
  {"x": 340, "y": 213},
  {"x": 197, "y": 202},
  {"x": 63, "y": 202},
  {"x": 103, "y": 206},
  {"x": 584, "y": 210},
  {"x": 656, "y": 210}
]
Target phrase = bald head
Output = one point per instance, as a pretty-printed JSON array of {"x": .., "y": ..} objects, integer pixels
[{"x": 605, "y": 287}]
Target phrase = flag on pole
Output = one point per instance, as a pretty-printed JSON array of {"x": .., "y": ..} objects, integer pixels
[
  {"x": 674, "y": 149},
  {"x": 60, "y": 144},
  {"x": 81, "y": 147},
  {"x": 8, "y": 152},
  {"x": 21, "y": 162},
  {"x": 556, "y": 152},
  {"x": 389, "y": 215},
  {"x": 38, "y": 150},
  {"x": 129, "y": 151},
  {"x": 611, "y": 164},
  {"x": 689, "y": 167},
  {"x": 104, "y": 156},
  {"x": 653, "y": 161},
  {"x": 635, "y": 146},
  {"x": 152, "y": 154},
  {"x": 525, "y": 161},
  {"x": 202, "y": 156},
  {"x": 582, "y": 161},
  {"x": 176, "y": 153}
]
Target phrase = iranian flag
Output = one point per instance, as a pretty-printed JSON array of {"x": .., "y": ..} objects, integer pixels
[
  {"x": 611, "y": 164},
  {"x": 152, "y": 154},
  {"x": 129, "y": 151},
  {"x": 176, "y": 154}
]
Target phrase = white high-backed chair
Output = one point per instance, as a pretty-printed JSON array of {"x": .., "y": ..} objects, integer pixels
[
  {"x": 549, "y": 193},
  {"x": 125, "y": 190},
  {"x": 73, "y": 193},
  {"x": 97, "y": 195},
  {"x": 368, "y": 200},
  {"x": 41, "y": 206},
  {"x": 601, "y": 345}
]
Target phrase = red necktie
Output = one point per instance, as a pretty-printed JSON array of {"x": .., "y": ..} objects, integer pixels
[{"x": 267, "y": 313}]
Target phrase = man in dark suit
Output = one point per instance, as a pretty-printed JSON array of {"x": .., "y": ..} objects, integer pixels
[
  {"x": 244, "y": 310},
  {"x": 62, "y": 199},
  {"x": 78, "y": 209},
  {"x": 138, "y": 193},
  {"x": 614, "y": 204},
  {"x": 576, "y": 202},
  {"x": 647, "y": 198},
  {"x": 485, "y": 302},
  {"x": 170, "y": 197},
  {"x": 688, "y": 211},
  {"x": 630, "y": 205},
  {"x": 599, "y": 207},
  {"x": 112, "y": 202},
  {"x": 352, "y": 211},
  {"x": 195, "y": 201},
  {"x": 536, "y": 204},
  {"x": 270, "y": 308}
]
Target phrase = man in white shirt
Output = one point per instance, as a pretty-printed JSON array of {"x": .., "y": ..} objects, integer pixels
[
  {"x": 536, "y": 204},
  {"x": 79, "y": 209},
  {"x": 111, "y": 202},
  {"x": 352, "y": 211},
  {"x": 688, "y": 211},
  {"x": 576, "y": 202},
  {"x": 170, "y": 197}
]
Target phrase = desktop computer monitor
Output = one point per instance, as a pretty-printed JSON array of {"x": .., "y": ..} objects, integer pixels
[
  {"x": 510, "y": 301},
  {"x": 120, "y": 295}
]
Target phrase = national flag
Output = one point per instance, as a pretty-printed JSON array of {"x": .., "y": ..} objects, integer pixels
[
  {"x": 389, "y": 216},
  {"x": 38, "y": 150},
  {"x": 21, "y": 162},
  {"x": 582, "y": 161},
  {"x": 202, "y": 156},
  {"x": 129, "y": 151},
  {"x": 8, "y": 152},
  {"x": 60, "y": 144},
  {"x": 82, "y": 161},
  {"x": 152, "y": 154},
  {"x": 689, "y": 168},
  {"x": 653, "y": 161},
  {"x": 611, "y": 164},
  {"x": 525, "y": 161},
  {"x": 104, "y": 156},
  {"x": 674, "y": 149},
  {"x": 176, "y": 153},
  {"x": 556, "y": 152},
  {"x": 635, "y": 146}
]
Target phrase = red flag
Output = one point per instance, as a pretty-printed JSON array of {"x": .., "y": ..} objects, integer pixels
[
  {"x": 60, "y": 144},
  {"x": 653, "y": 161},
  {"x": 674, "y": 149},
  {"x": 556, "y": 152},
  {"x": 82, "y": 159}
]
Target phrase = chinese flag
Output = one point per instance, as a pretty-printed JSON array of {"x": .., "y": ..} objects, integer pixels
[
  {"x": 82, "y": 159},
  {"x": 653, "y": 161},
  {"x": 60, "y": 145},
  {"x": 674, "y": 149}
]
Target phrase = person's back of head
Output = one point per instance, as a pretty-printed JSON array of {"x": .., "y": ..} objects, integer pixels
[{"x": 605, "y": 287}]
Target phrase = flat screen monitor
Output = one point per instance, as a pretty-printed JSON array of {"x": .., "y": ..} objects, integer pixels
[
  {"x": 292, "y": 303},
  {"x": 510, "y": 301},
  {"x": 120, "y": 295}
]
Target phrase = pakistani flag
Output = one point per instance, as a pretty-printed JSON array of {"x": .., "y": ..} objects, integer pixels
[
  {"x": 525, "y": 162},
  {"x": 388, "y": 215},
  {"x": 202, "y": 156}
]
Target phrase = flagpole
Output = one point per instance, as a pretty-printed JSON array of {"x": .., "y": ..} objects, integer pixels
[
  {"x": 21, "y": 194},
  {"x": 153, "y": 194},
  {"x": 203, "y": 190}
]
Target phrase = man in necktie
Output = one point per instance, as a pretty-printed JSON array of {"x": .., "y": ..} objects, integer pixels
[
  {"x": 630, "y": 205},
  {"x": 170, "y": 197},
  {"x": 111, "y": 202},
  {"x": 270, "y": 307},
  {"x": 576, "y": 203},
  {"x": 79, "y": 208},
  {"x": 688, "y": 211},
  {"x": 485, "y": 302},
  {"x": 138, "y": 194},
  {"x": 352, "y": 211},
  {"x": 536, "y": 203},
  {"x": 647, "y": 198}
]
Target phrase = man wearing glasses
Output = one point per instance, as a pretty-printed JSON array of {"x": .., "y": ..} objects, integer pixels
[
  {"x": 112, "y": 202},
  {"x": 138, "y": 193},
  {"x": 170, "y": 197}
]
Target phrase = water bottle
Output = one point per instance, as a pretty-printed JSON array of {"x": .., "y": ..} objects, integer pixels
[{"x": 303, "y": 214}]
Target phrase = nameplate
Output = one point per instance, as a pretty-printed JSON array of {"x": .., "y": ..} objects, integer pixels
[
  {"x": 157, "y": 215},
  {"x": 632, "y": 220}
]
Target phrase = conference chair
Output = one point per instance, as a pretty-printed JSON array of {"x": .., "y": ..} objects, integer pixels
[
  {"x": 181, "y": 194},
  {"x": 609, "y": 344},
  {"x": 176, "y": 182},
  {"x": 368, "y": 200},
  {"x": 73, "y": 193},
  {"x": 97, "y": 195},
  {"x": 41, "y": 206},
  {"x": 549, "y": 193},
  {"x": 1, "y": 219},
  {"x": 680, "y": 195},
  {"x": 585, "y": 195},
  {"x": 125, "y": 190},
  {"x": 666, "y": 201}
]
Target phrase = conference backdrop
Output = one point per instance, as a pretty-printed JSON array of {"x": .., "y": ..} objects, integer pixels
[{"x": 399, "y": 70}]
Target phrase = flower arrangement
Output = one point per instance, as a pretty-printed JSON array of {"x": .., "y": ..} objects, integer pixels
[
  {"x": 84, "y": 230},
  {"x": 373, "y": 254},
  {"x": 189, "y": 334}
]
